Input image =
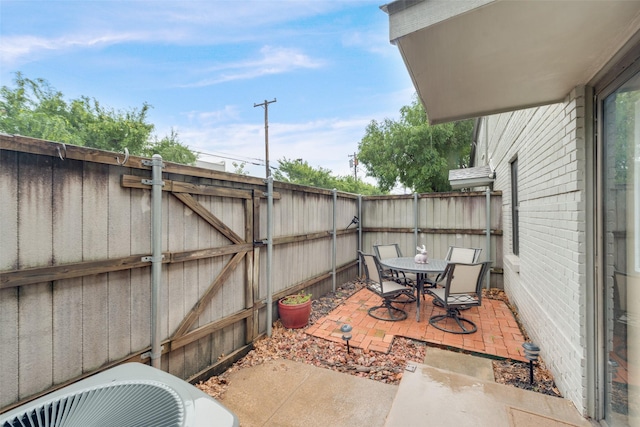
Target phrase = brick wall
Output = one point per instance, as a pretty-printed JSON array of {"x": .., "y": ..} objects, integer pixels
[{"x": 547, "y": 281}]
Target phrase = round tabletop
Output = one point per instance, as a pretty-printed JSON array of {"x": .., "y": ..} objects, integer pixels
[{"x": 408, "y": 264}]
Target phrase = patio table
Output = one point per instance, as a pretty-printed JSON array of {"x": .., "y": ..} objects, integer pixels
[{"x": 408, "y": 265}]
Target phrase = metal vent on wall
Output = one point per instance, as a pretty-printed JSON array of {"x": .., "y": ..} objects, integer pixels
[{"x": 128, "y": 395}]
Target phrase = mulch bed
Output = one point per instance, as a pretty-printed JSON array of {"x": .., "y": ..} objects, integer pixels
[{"x": 296, "y": 345}]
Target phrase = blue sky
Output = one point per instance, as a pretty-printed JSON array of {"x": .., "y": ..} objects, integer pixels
[{"x": 203, "y": 65}]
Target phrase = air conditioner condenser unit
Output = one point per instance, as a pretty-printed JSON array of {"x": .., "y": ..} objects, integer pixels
[{"x": 132, "y": 394}]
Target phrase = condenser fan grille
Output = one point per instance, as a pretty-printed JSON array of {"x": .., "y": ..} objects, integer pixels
[{"x": 120, "y": 403}]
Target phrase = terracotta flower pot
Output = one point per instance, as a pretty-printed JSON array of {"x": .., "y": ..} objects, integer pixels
[{"x": 294, "y": 316}]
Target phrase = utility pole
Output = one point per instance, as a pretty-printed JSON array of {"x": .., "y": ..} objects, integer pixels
[
  {"x": 265, "y": 104},
  {"x": 353, "y": 163}
]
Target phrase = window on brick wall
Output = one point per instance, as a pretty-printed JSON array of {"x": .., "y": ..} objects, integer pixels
[{"x": 515, "y": 241}]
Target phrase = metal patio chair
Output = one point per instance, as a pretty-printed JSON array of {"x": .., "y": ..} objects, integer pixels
[
  {"x": 392, "y": 250},
  {"x": 456, "y": 254},
  {"x": 620, "y": 315},
  {"x": 462, "y": 289},
  {"x": 390, "y": 291}
]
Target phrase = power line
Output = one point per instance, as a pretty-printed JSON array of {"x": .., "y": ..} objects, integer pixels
[{"x": 229, "y": 157}]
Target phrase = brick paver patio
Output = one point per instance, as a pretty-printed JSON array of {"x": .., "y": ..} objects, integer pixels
[{"x": 498, "y": 333}]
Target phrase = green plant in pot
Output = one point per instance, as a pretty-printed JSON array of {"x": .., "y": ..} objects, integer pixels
[{"x": 294, "y": 310}]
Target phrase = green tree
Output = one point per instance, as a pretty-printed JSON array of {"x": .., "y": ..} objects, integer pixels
[
  {"x": 33, "y": 108},
  {"x": 239, "y": 168},
  {"x": 171, "y": 149},
  {"x": 300, "y": 172},
  {"x": 624, "y": 104},
  {"x": 413, "y": 153}
]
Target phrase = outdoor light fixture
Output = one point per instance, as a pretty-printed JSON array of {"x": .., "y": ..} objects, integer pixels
[
  {"x": 531, "y": 352},
  {"x": 355, "y": 220},
  {"x": 346, "y": 334}
]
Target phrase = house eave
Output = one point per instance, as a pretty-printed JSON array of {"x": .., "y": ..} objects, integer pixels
[{"x": 471, "y": 58}]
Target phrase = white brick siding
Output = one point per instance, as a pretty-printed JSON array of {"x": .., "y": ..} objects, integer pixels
[{"x": 549, "y": 290}]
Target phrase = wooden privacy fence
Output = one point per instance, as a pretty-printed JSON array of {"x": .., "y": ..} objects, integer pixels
[
  {"x": 437, "y": 220},
  {"x": 75, "y": 275},
  {"x": 75, "y": 279}
]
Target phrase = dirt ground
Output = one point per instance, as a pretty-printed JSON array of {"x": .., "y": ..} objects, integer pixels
[{"x": 296, "y": 345}]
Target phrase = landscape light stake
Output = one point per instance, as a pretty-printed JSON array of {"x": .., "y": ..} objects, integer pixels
[
  {"x": 346, "y": 334},
  {"x": 531, "y": 352}
]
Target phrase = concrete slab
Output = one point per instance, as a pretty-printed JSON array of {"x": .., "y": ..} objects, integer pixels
[
  {"x": 432, "y": 396},
  {"x": 458, "y": 390},
  {"x": 461, "y": 363},
  {"x": 285, "y": 393}
]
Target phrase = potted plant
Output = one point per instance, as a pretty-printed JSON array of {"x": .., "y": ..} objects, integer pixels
[{"x": 294, "y": 310}]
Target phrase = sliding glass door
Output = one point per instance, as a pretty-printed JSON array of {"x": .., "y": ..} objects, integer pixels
[{"x": 620, "y": 278}]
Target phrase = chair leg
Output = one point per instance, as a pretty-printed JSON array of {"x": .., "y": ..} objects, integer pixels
[
  {"x": 395, "y": 314},
  {"x": 407, "y": 298},
  {"x": 453, "y": 313}
]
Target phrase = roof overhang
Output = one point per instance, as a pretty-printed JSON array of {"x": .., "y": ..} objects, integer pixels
[
  {"x": 470, "y": 58},
  {"x": 480, "y": 176}
]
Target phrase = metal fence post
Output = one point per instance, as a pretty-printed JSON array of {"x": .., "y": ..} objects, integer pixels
[
  {"x": 269, "y": 253},
  {"x": 156, "y": 258},
  {"x": 335, "y": 203},
  {"x": 488, "y": 235},
  {"x": 415, "y": 219},
  {"x": 359, "y": 233}
]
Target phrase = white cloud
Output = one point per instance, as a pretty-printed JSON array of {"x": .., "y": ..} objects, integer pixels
[
  {"x": 15, "y": 49},
  {"x": 272, "y": 60},
  {"x": 236, "y": 15},
  {"x": 208, "y": 118}
]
